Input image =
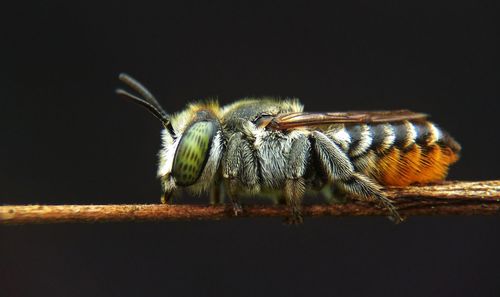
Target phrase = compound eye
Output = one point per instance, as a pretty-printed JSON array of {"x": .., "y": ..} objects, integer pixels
[{"x": 192, "y": 153}]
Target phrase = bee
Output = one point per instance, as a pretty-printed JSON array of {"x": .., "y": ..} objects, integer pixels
[{"x": 257, "y": 146}]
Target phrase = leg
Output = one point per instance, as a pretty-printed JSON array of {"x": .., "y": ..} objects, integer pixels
[
  {"x": 166, "y": 198},
  {"x": 168, "y": 187},
  {"x": 232, "y": 192},
  {"x": 217, "y": 194},
  {"x": 340, "y": 171},
  {"x": 294, "y": 192},
  {"x": 295, "y": 184},
  {"x": 364, "y": 188},
  {"x": 239, "y": 169}
]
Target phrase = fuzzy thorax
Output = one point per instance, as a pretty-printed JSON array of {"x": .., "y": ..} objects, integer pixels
[{"x": 221, "y": 118}]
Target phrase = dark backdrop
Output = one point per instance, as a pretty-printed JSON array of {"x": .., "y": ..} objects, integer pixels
[{"x": 66, "y": 138}]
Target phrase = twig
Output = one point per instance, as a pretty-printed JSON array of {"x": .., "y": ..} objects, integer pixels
[{"x": 449, "y": 198}]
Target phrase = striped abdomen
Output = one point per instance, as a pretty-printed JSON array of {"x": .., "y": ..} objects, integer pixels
[{"x": 398, "y": 153}]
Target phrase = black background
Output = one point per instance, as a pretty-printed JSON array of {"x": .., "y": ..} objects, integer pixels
[{"x": 66, "y": 138}]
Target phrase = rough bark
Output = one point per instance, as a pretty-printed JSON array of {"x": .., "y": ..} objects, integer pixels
[{"x": 449, "y": 198}]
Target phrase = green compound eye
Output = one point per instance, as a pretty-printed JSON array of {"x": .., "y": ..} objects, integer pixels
[{"x": 192, "y": 153}]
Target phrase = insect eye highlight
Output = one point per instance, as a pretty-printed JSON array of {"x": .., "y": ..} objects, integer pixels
[{"x": 193, "y": 152}]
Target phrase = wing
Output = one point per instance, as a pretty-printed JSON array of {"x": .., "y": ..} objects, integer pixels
[{"x": 307, "y": 119}]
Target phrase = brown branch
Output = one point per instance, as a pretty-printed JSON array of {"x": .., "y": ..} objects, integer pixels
[{"x": 450, "y": 198}]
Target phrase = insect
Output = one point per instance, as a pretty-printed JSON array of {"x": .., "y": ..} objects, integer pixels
[{"x": 256, "y": 146}]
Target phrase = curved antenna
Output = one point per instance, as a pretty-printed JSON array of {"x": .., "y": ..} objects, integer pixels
[
  {"x": 147, "y": 101},
  {"x": 151, "y": 108}
]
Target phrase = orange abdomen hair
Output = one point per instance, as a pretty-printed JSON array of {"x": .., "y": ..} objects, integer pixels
[
  {"x": 423, "y": 157},
  {"x": 417, "y": 165},
  {"x": 402, "y": 153}
]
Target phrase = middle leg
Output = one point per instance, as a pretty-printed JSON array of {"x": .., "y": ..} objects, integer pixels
[{"x": 295, "y": 186}]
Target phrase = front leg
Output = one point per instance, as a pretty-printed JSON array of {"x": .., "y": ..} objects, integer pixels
[
  {"x": 239, "y": 169},
  {"x": 168, "y": 186},
  {"x": 166, "y": 198}
]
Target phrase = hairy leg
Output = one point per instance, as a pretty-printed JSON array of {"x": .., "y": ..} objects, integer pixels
[
  {"x": 340, "y": 171},
  {"x": 167, "y": 196},
  {"x": 239, "y": 169},
  {"x": 294, "y": 192},
  {"x": 362, "y": 187},
  {"x": 295, "y": 187}
]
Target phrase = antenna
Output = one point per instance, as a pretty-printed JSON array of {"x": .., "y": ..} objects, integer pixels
[{"x": 146, "y": 99}]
